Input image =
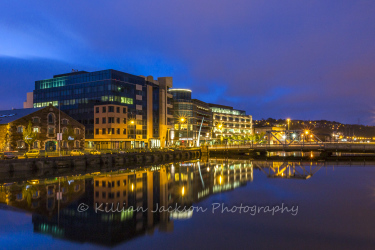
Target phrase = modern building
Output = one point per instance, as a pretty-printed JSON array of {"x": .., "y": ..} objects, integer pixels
[
  {"x": 110, "y": 128},
  {"x": 230, "y": 122},
  {"x": 198, "y": 122},
  {"x": 45, "y": 123},
  {"x": 192, "y": 119},
  {"x": 147, "y": 102}
]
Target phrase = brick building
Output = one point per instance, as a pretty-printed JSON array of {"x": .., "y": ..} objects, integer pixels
[{"x": 45, "y": 123}]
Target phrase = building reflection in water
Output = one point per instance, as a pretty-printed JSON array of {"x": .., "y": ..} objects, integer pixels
[{"x": 54, "y": 202}]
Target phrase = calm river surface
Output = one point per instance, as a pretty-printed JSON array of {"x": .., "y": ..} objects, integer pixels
[{"x": 229, "y": 204}]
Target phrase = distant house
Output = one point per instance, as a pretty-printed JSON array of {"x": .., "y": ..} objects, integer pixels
[{"x": 45, "y": 123}]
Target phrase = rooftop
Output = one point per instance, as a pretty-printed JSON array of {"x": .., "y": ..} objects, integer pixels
[{"x": 7, "y": 116}]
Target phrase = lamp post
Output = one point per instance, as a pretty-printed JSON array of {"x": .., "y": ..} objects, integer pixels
[
  {"x": 182, "y": 120},
  {"x": 219, "y": 126},
  {"x": 288, "y": 120},
  {"x": 133, "y": 123},
  {"x": 307, "y": 138}
]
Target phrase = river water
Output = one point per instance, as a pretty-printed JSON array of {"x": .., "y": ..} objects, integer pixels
[{"x": 210, "y": 204}]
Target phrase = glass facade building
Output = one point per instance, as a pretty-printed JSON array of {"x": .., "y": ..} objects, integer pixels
[
  {"x": 78, "y": 92},
  {"x": 188, "y": 116},
  {"x": 198, "y": 122}
]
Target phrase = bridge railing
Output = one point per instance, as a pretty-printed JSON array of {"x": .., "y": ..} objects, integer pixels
[{"x": 322, "y": 145}]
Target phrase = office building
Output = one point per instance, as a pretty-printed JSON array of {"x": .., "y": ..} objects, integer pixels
[
  {"x": 209, "y": 122},
  {"x": 192, "y": 119},
  {"x": 78, "y": 93},
  {"x": 230, "y": 122}
]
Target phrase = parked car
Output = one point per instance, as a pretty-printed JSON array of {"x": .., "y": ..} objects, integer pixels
[
  {"x": 10, "y": 155},
  {"x": 76, "y": 152},
  {"x": 35, "y": 153},
  {"x": 95, "y": 152}
]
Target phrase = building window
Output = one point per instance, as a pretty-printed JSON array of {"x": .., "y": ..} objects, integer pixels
[
  {"x": 96, "y": 194},
  {"x": 124, "y": 110},
  {"x": 36, "y": 144},
  {"x": 124, "y": 120},
  {"x": 36, "y": 130},
  {"x": 19, "y": 196},
  {"x": 109, "y": 131},
  {"x": 64, "y": 121},
  {"x": 97, "y": 110},
  {"x": 111, "y": 120},
  {"x": 36, "y": 120},
  {"x": 76, "y": 131},
  {"x": 103, "y": 194},
  {"x": 124, "y": 193},
  {"x": 103, "y": 183},
  {"x": 20, "y": 144},
  {"x": 118, "y": 120},
  {"x": 103, "y": 131},
  {"x": 118, "y": 131},
  {"x": 111, "y": 109},
  {"x": 124, "y": 182},
  {"x": 64, "y": 130},
  {"x": 124, "y": 131},
  {"x": 118, "y": 183},
  {"x": 77, "y": 144},
  {"x": 97, "y": 131},
  {"x": 51, "y": 130},
  {"x": 104, "y": 120},
  {"x": 65, "y": 144},
  {"x": 20, "y": 129},
  {"x": 96, "y": 120},
  {"x": 104, "y": 110},
  {"x": 51, "y": 119},
  {"x": 96, "y": 183}
]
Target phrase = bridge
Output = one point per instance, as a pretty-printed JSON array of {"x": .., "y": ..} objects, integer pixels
[{"x": 327, "y": 148}]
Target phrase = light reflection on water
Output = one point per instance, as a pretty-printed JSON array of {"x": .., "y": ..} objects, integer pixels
[{"x": 322, "y": 194}]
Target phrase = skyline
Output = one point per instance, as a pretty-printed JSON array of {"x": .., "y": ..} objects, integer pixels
[{"x": 293, "y": 60}]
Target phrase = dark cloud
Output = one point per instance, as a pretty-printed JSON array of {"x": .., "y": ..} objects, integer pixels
[{"x": 299, "y": 59}]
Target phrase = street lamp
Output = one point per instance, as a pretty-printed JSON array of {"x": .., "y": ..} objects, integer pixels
[
  {"x": 183, "y": 120},
  {"x": 288, "y": 120},
  {"x": 132, "y": 122},
  {"x": 219, "y": 126}
]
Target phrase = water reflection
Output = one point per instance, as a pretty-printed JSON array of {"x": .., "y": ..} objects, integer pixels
[
  {"x": 288, "y": 170},
  {"x": 54, "y": 202}
]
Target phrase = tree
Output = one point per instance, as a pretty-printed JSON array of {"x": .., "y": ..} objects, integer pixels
[
  {"x": 29, "y": 136},
  {"x": 68, "y": 136}
]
